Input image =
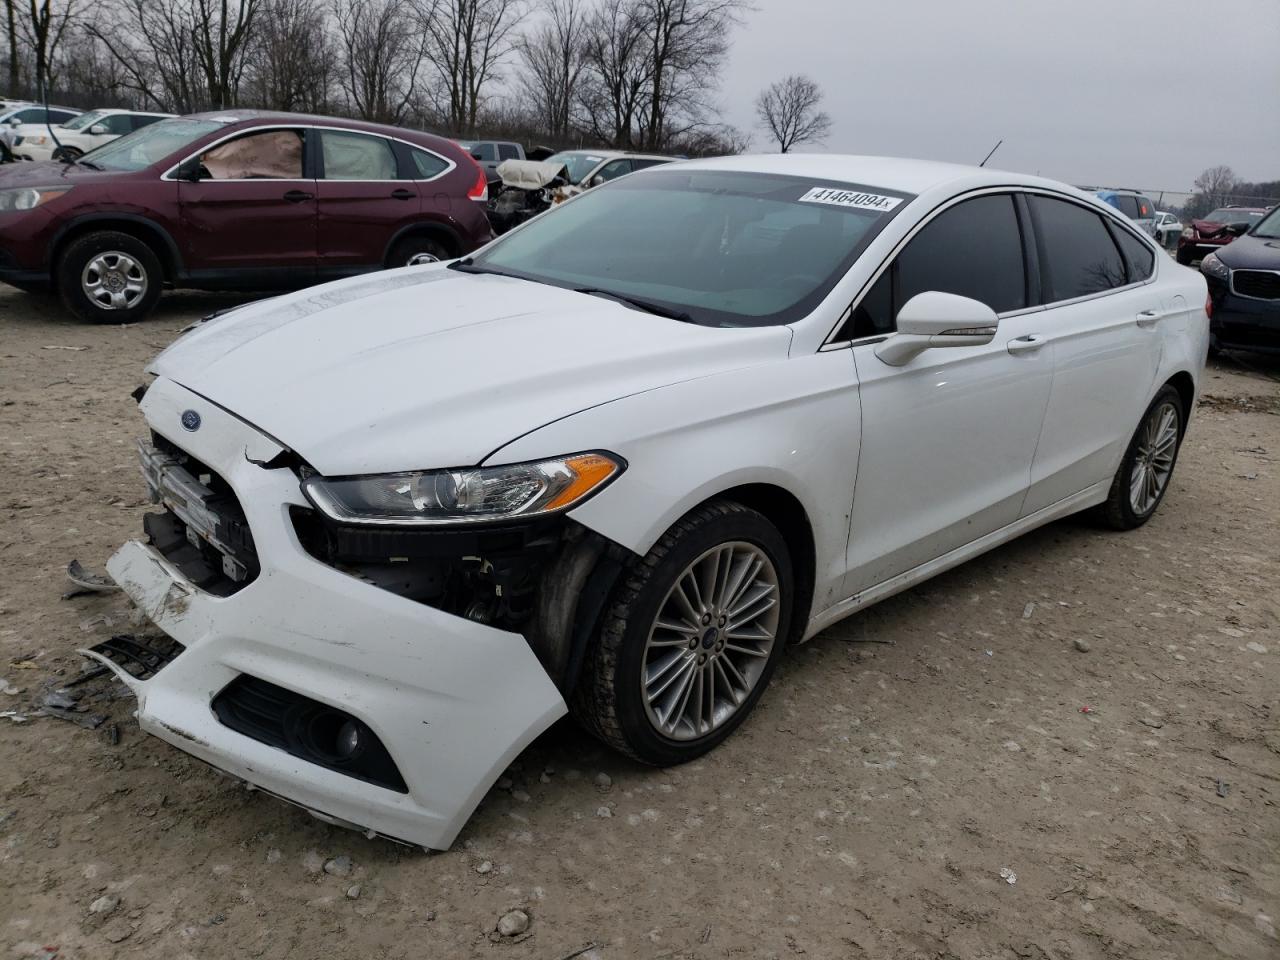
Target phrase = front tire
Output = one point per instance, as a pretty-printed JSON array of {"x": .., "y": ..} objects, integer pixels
[
  {"x": 691, "y": 637},
  {"x": 109, "y": 277},
  {"x": 1184, "y": 257},
  {"x": 412, "y": 251},
  {"x": 1143, "y": 478}
]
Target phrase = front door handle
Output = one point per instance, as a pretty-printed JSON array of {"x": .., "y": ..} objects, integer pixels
[
  {"x": 298, "y": 196},
  {"x": 1149, "y": 318},
  {"x": 402, "y": 194},
  {"x": 1028, "y": 344}
]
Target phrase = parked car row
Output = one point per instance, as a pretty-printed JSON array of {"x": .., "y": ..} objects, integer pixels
[
  {"x": 1244, "y": 287},
  {"x": 1215, "y": 230},
  {"x": 234, "y": 200}
]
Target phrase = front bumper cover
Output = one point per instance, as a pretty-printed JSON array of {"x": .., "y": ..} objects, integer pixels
[{"x": 452, "y": 700}]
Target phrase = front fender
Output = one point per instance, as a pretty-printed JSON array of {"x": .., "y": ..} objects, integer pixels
[{"x": 792, "y": 424}]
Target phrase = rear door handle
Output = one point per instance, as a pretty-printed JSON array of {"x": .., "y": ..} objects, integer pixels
[
  {"x": 298, "y": 196},
  {"x": 403, "y": 194},
  {"x": 1028, "y": 344},
  {"x": 1149, "y": 318}
]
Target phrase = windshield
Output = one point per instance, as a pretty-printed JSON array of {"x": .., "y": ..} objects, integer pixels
[
  {"x": 579, "y": 163},
  {"x": 727, "y": 248},
  {"x": 1228, "y": 215},
  {"x": 1269, "y": 227},
  {"x": 151, "y": 144},
  {"x": 84, "y": 120}
]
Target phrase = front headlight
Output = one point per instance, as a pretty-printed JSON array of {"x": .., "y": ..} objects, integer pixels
[
  {"x": 469, "y": 495},
  {"x": 28, "y": 198},
  {"x": 1211, "y": 266}
]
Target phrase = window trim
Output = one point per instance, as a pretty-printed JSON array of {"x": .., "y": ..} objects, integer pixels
[
  {"x": 1020, "y": 192},
  {"x": 168, "y": 175}
]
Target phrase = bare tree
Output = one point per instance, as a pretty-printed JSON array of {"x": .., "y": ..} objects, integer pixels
[
  {"x": 467, "y": 42},
  {"x": 1217, "y": 185},
  {"x": 292, "y": 60},
  {"x": 553, "y": 54},
  {"x": 789, "y": 110},
  {"x": 43, "y": 29},
  {"x": 182, "y": 55},
  {"x": 11, "y": 25},
  {"x": 380, "y": 48},
  {"x": 618, "y": 73}
]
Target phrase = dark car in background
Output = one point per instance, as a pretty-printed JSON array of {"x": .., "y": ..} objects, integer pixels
[
  {"x": 1216, "y": 229},
  {"x": 235, "y": 200},
  {"x": 1244, "y": 288}
]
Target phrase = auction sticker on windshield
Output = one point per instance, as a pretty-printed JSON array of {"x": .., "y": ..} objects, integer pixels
[{"x": 850, "y": 198}]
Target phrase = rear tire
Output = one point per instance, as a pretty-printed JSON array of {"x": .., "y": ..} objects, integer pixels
[
  {"x": 414, "y": 250},
  {"x": 668, "y": 680},
  {"x": 1184, "y": 257},
  {"x": 1147, "y": 467},
  {"x": 109, "y": 277}
]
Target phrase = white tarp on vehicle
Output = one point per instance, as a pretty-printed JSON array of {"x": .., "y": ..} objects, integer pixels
[{"x": 529, "y": 174}]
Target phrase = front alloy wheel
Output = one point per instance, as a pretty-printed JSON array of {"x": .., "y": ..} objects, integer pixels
[
  {"x": 709, "y": 644},
  {"x": 692, "y": 634}
]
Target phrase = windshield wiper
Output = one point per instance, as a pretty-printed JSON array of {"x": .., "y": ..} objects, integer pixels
[
  {"x": 468, "y": 265},
  {"x": 86, "y": 163},
  {"x": 648, "y": 306}
]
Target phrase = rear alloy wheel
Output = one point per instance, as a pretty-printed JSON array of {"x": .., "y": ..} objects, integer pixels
[
  {"x": 1143, "y": 478},
  {"x": 694, "y": 632},
  {"x": 109, "y": 277},
  {"x": 414, "y": 251}
]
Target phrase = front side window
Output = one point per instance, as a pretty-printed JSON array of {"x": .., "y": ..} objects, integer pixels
[
  {"x": 576, "y": 162},
  {"x": 726, "y": 248},
  {"x": 142, "y": 148},
  {"x": 612, "y": 170},
  {"x": 268, "y": 155},
  {"x": 356, "y": 156},
  {"x": 973, "y": 249},
  {"x": 1077, "y": 255},
  {"x": 85, "y": 120},
  {"x": 117, "y": 124}
]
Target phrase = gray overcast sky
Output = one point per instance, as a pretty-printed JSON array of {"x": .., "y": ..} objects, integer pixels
[{"x": 1140, "y": 93}]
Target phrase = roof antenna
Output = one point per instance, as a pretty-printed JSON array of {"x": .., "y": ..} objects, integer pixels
[{"x": 989, "y": 155}]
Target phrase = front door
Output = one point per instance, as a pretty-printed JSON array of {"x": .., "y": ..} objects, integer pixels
[
  {"x": 947, "y": 439},
  {"x": 251, "y": 218}
]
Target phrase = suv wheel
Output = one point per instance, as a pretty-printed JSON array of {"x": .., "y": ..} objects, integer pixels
[
  {"x": 691, "y": 637},
  {"x": 412, "y": 251},
  {"x": 109, "y": 277},
  {"x": 1184, "y": 256}
]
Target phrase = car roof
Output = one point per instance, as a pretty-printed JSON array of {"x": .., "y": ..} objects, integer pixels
[
  {"x": 894, "y": 173},
  {"x": 232, "y": 117}
]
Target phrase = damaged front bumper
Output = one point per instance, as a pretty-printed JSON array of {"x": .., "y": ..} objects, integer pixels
[{"x": 451, "y": 701}]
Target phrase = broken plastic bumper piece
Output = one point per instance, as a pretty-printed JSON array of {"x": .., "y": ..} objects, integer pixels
[{"x": 366, "y": 708}]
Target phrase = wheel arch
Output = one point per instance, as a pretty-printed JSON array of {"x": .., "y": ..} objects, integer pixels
[
  {"x": 1186, "y": 387},
  {"x": 141, "y": 228},
  {"x": 425, "y": 228}
]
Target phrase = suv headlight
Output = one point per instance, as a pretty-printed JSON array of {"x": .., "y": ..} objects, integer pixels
[
  {"x": 28, "y": 198},
  {"x": 469, "y": 495},
  {"x": 1211, "y": 266}
]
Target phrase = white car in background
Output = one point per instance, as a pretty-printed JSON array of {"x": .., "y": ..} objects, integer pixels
[
  {"x": 407, "y": 521},
  {"x": 78, "y": 136},
  {"x": 1168, "y": 229},
  {"x": 13, "y": 116}
]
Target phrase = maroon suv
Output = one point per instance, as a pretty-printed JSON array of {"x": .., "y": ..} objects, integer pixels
[
  {"x": 1217, "y": 229},
  {"x": 239, "y": 200}
]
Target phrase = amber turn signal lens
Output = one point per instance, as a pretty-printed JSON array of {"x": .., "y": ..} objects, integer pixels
[{"x": 590, "y": 470}]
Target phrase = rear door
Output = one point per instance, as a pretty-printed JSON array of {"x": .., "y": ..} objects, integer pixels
[
  {"x": 252, "y": 215},
  {"x": 948, "y": 438},
  {"x": 364, "y": 201},
  {"x": 1102, "y": 319}
]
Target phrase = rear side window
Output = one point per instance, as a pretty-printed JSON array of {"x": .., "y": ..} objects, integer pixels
[
  {"x": 642, "y": 164},
  {"x": 60, "y": 116},
  {"x": 1146, "y": 209},
  {"x": 426, "y": 166},
  {"x": 508, "y": 151},
  {"x": 1138, "y": 257},
  {"x": 357, "y": 156},
  {"x": 1077, "y": 255},
  {"x": 142, "y": 120},
  {"x": 1126, "y": 205},
  {"x": 973, "y": 249}
]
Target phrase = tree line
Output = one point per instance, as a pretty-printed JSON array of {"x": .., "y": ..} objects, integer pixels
[
  {"x": 1220, "y": 187},
  {"x": 630, "y": 74}
]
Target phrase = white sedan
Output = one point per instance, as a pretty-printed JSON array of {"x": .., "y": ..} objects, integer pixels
[
  {"x": 76, "y": 137},
  {"x": 617, "y": 461}
]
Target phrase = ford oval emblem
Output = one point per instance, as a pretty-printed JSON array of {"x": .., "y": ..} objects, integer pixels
[{"x": 190, "y": 420}]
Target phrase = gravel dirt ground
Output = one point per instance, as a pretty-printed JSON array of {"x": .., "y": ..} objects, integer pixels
[{"x": 1095, "y": 712}]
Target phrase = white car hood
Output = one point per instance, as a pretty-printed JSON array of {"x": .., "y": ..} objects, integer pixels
[{"x": 427, "y": 367}]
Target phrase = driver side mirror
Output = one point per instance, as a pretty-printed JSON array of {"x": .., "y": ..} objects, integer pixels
[
  {"x": 935, "y": 319},
  {"x": 189, "y": 170},
  {"x": 1240, "y": 228},
  {"x": 97, "y": 130},
  {"x": 15, "y": 121},
  {"x": 476, "y": 156},
  {"x": 596, "y": 180}
]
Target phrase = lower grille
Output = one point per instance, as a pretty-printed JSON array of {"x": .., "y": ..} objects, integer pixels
[
  {"x": 141, "y": 658},
  {"x": 1259, "y": 284},
  {"x": 306, "y": 729}
]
